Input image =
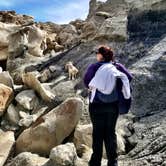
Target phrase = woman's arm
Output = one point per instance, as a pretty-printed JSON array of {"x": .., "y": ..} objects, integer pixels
[
  {"x": 90, "y": 73},
  {"x": 123, "y": 69}
]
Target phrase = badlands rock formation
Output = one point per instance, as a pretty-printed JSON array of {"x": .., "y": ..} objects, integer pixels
[{"x": 47, "y": 114}]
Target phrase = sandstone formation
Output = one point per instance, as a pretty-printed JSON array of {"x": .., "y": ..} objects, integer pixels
[
  {"x": 6, "y": 95},
  {"x": 7, "y": 141},
  {"x": 6, "y": 79},
  {"x": 33, "y": 58}
]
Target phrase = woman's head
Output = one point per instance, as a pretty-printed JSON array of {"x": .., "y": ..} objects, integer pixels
[{"x": 105, "y": 54}]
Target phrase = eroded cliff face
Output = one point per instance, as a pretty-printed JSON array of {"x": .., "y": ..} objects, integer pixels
[
  {"x": 35, "y": 55},
  {"x": 111, "y": 17}
]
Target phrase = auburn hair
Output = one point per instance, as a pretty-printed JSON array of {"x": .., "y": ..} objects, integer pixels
[{"x": 107, "y": 53}]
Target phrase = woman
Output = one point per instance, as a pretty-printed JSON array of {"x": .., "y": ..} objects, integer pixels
[{"x": 100, "y": 78}]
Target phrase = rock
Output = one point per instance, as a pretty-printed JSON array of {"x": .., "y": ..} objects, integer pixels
[
  {"x": 145, "y": 72},
  {"x": 77, "y": 23},
  {"x": 83, "y": 135},
  {"x": 45, "y": 75},
  {"x": 150, "y": 138},
  {"x": 124, "y": 128},
  {"x": 51, "y": 36},
  {"x": 6, "y": 143},
  {"x": 84, "y": 152},
  {"x": 35, "y": 38},
  {"x": 68, "y": 36},
  {"x": 23, "y": 44},
  {"x": 17, "y": 40},
  {"x": 6, "y": 96},
  {"x": 84, "y": 160},
  {"x": 31, "y": 81},
  {"x": 92, "y": 8},
  {"x": 52, "y": 45},
  {"x": 3, "y": 52},
  {"x": 50, "y": 27},
  {"x": 70, "y": 29},
  {"x": 27, "y": 159},
  {"x": 88, "y": 30},
  {"x": 63, "y": 155},
  {"x": 23, "y": 114},
  {"x": 65, "y": 89},
  {"x": 51, "y": 129},
  {"x": 6, "y": 125},
  {"x": 103, "y": 14},
  {"x": 80, "y": 162},
  {"x": 6, "y": 79},
  {"x": 13, "y": 114},
  {"x": 114, "y": 28},
  {"x": 58, "y": 48},
  {"x": 12, "y": 17},
  {"x": 27, "y": 121},
  {"x": 5, "y": 31},
  {"x": 27, "y": 99}
]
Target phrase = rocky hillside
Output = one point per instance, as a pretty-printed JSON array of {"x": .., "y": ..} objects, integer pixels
[{"x": 44, "y": 117}]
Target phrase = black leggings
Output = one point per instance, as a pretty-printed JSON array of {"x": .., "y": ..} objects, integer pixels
[{"x": 104, "y": 118}]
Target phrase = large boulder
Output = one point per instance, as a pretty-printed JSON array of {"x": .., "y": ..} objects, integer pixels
[
  {"x": 7, "y": 141},
  {"x": 27, "y": 159},
  {"x": 13, "y": 114},
  {"x": 63, "y": 155},
  {"x": 83, "y": 136},
  {"x": 6, "y": 96},
  {"x": 6, "y": 79},
  {"x": 51, "y": 129},
  {"x": 5, "y": 31}
]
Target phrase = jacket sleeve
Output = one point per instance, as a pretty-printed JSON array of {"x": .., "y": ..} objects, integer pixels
[
  {"x": 89, "y": 74},
  {"x": 123, "y": 69},
  {"x": 125, "y": 83}
]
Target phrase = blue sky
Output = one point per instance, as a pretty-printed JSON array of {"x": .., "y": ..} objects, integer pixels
[{"x": 58, "y": 11}]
